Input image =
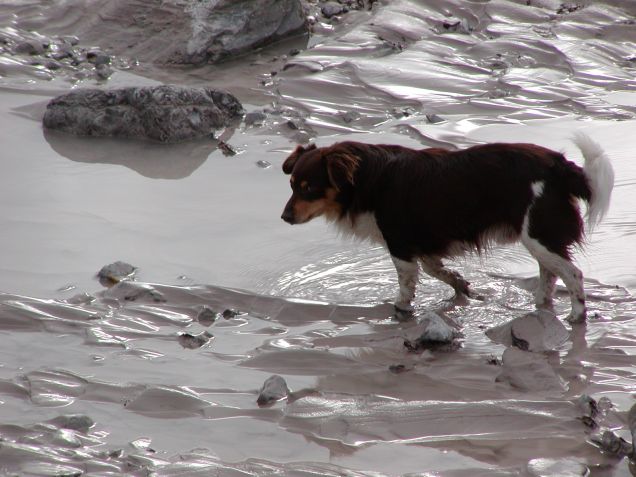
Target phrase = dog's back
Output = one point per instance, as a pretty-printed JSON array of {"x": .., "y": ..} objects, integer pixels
[{"x": 440, "y": 202}]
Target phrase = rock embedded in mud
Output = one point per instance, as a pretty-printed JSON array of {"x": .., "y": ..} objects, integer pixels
[
  {"x": 194, "y": 32},
  {"x": 331, "y": 9},
  {"x": 207, "y": 316},
  {"x": 230, "y": 313},
  {"x": 537, "y": 331},
  {"x": 529, "y": 372},
  {"x": 116, "y": 272},
  {"x": 434, "y": 333},
  {"x": 162, "y": 113},
  {"x": 190, "y": 341},
  {"x": 274, "y": 389}
]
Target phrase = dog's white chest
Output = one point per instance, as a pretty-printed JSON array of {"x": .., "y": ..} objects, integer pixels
[{"x": 363, "y": 227}]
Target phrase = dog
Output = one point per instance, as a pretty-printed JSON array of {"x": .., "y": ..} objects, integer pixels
[{"x": 432, "y": 204}]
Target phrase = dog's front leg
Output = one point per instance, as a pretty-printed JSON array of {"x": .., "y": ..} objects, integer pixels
[{"x": 407, "y": 272}]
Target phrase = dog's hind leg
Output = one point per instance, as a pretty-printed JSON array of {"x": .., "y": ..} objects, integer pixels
[
  {"x": 407, "y": 272},
  {"x": 559, "y": 265},
  {"x": 545, "y": 290},
  {"x": 435, "y": 268}
]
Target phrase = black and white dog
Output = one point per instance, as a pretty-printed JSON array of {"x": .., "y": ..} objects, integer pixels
[{"x": 430, "y": 204}]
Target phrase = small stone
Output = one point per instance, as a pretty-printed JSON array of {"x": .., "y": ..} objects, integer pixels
[
  {"x": 436, "y": 334},
  {"x": 97, "y": 57},
  {"x": 103, "y": 71},
  {"x": 52, "y": 65},
  {"x": 70, "y": 40},
  {"x": 207, "y": 316},
  {"x": 30, "y": 47},
  {"x": 399, "y": 368},
  {"x": 76, "y": 422},
  {"x": 274, "y": 389},
  {"x": 80, "y": 299},
  {"x": 225, "y": 148},
  {"x": 230, "y": 313},
  {"x": 115, "y": 273},
  {"x": 350, "y": 116},
  {"x": 588, "y": 406},
  {"x": 331, "y": 9},
  {"x": 434, "y": 119},
  {"x": 536, "y": 331},
  {"x": 255, "y": 118},
  {"x": 190, "y": 341}
]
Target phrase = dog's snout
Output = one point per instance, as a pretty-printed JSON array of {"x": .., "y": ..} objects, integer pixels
[
  {"x": 287, "y": 217},
  {"x": 288, "y": 214}
]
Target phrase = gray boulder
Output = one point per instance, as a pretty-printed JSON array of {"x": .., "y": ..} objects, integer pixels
[
  {"x": 191, "y": 31},
  {"x": 161, "y": 113}
]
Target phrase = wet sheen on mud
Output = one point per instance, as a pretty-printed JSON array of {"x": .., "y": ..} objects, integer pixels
[{"x": 161, "y": 375}]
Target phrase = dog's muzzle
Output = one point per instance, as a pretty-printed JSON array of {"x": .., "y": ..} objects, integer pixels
[{"x": 288, "y": 213}]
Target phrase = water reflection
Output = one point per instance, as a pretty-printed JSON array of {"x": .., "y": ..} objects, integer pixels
[{"x": 150, "y": 159}]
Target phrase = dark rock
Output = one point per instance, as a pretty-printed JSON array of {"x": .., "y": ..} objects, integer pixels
[
  {"x": 29, "y": 47},
  {"x": 103, "y": 71},
  {"x": 195, "y": 32},
  {"x": 274, "y": 389},
  {"x": 434, "y": 119},
  {"x": 190, "y": 341},
  {"x": 568, "y": 7},
  {"x": 76, "y": 422},
  {"x": 97, "y": 58},
  {"x": 70, "y": 40},
  {"x": 433, "y": 334},
  {"x": 52, "y": 65},
  {"x": 229, "y": 313},
  {"x": 115, "y": 273},
  {"x": 163, "y": 113},
  {"x": 255, "y": 118},
  {"x": 207, "y": 316},
  {"x": 331, "y": 9}
]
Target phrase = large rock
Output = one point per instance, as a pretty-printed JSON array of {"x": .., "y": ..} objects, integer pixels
[
  {"x": 192, "y": 31},
  {"x": 162, "y": 113}
]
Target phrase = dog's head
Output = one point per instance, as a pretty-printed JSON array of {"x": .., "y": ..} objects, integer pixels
[{"x": 318, "y": 177}]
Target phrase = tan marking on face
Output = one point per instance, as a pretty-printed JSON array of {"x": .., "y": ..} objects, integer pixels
[{"x": 304, "y": 210}]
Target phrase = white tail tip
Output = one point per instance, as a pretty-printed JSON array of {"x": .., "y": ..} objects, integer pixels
[{"x": 600, "y": 175}]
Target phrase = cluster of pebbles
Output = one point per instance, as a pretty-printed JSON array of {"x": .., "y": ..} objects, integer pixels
[{"x": 48, "y": 57}]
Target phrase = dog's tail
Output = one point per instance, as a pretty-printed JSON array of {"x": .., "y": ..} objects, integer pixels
[{"x": 600, "y": 177}]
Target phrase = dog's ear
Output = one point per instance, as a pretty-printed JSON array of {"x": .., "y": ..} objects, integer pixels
[
  {"x": 341, "y": 168},
  {"x": 288, "y": 165}
]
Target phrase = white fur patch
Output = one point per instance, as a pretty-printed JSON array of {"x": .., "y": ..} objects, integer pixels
[
  {"x": 364, "y": 227},
  {"x": 407, "y": 278},
  {"x": 537, "y": 188},
  {"x": 600, "y": 174}
]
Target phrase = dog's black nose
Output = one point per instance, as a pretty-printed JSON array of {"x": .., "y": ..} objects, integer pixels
[{"x": 288, "y": 216}]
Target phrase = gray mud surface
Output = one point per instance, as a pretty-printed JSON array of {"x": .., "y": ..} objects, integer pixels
[{"x": 160, "y": 372}]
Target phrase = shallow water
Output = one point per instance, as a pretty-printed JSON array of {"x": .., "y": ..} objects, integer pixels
[{"x": 205, "y": 232}]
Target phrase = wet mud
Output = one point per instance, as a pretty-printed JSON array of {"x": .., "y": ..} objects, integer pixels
[{"x": 238, "y": 345}]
